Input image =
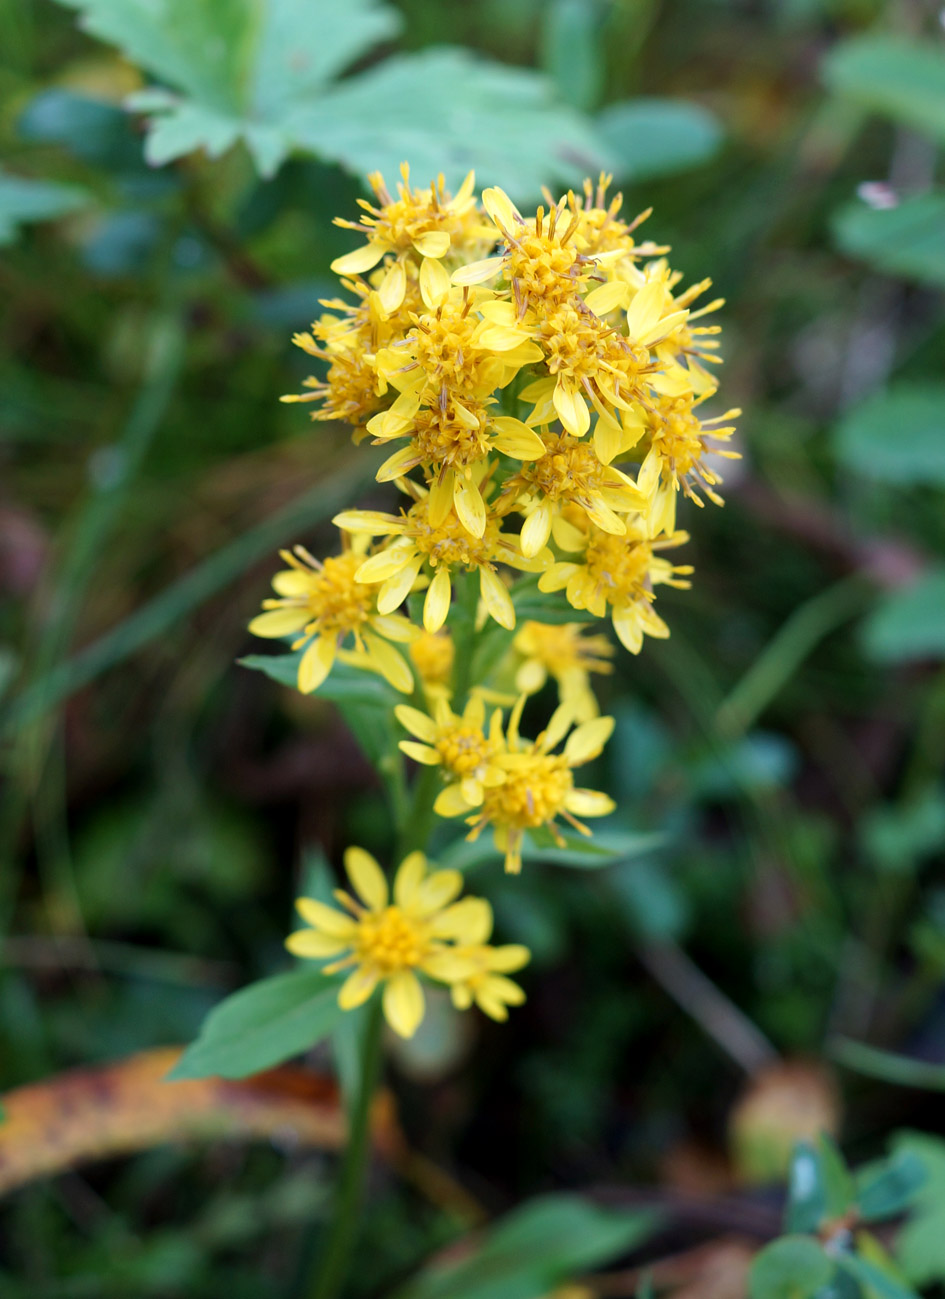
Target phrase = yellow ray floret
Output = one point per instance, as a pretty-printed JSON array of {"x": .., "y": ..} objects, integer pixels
[
  {"x": 324, "y": 601},
  {"x": 458, "y": 744},
  {"x": 392, "y": 939},
  {"x": 539, "y": 784}
]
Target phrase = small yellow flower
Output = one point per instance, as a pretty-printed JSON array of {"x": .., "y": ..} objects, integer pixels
[
  {"x": 442, "y": 546},
  {"x": 458, "y": 745},
  {"x": 676, "y": 446},
  {"x": 432, "y": 655},
  {"x": 538, "y": 785},
  {"x": 324, "y": 600},
  {"x": 618, "y": 573},
  {"x": 567, "y": 652},
  {"x": 487, "y": 985},
  {"x": 388, "y": 940}
]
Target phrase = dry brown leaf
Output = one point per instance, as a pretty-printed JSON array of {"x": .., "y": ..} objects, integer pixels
[{"x": 128, "y": 1106}]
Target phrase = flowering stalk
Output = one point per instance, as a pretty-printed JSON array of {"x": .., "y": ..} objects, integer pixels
[{"x": 563, "y": 497}]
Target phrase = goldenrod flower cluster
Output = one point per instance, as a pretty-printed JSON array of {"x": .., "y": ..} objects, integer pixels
[{"x": 537, "y": 383}]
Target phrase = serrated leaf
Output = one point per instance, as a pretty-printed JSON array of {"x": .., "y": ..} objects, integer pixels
[
  {"x": 657, "y": 137},
  {"x": 909, "y": 625},
  {"x": 23, "y": 200},
  {"x": 533, "y": 1250},
  {"x": 900, "y": 79},
  {"x": 897, "y": 436},
  {"x": 907, "y": 240},
  {"x": 239, "y": 70},
  {"x": 445, "y": 110},
  {"x": 262, "y": 1025},
  {"x": 794, "y": 1267}
]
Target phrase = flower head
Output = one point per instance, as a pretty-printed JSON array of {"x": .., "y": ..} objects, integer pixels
[
  {"x": 392, "y": 939},
  {"x": 324, "y": 600},
  {"x": 459, "y": 745},
  {"x": 432, "y": 655},
  {"x": 539, "y": 784},
  {"x": 487, "y": 984},
  {"x": 568, "y": 653}
]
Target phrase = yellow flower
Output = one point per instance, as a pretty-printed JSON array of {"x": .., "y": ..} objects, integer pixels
[
  {"x": 565, "y": 652},
  {"x": 393, "y": 940},
  {"x": 538, "y": 785},
  {"x": 486, "y": 984},
  {"x": 619, "y": 573},
  {"x": 441, "y": 546},
  {"x": 458, "y": 745},
  {"x": 324, "y": 600},
  {"x": 569, "y": 473},
  {"x": 432, "y": 655},
  {"x": 677, "y": 443}
]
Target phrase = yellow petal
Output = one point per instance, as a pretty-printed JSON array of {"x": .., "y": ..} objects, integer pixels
[
  {"x": 410, "y": 875},
  {"x": 421, "y": 753},
  {"x": 437, "y": 603},
  {"x": 434, "y": 283},
  {"x": 468, "y": 921},
  {"x": 435, "y": 243},
  {"x": 514, "y": 438},
  {"x": 502, "y": 338},
  {"x": 366, "y": 878},
  {"x": 502, "y": 210},
  {"x": 536, "y": 530},
  {"x": 327, "y": 919},
  {"x": 478, "y": 272},
  {"x": 358, "y": 987},
  {"x": 417, "y": 723},
  {"x": 509, "y": 957},
  {"x": 396, "y": 589},
  {"x": 362, "y": 259},
  {"x": 450, "y": 802},
  {"x": 370, "y": 522},
  {"x": 400, "y": 463},
  {"x": 645, "y": 309},
  {"x": 395, "y": 627},
  {"x": 385, "y": 659},
  {"x": 440, "y": 500},
  {"x": 386, "y": 563},
  {"x": 609, "y": 440},
  {"x": 437, "y": 891},
  {"x": 393, "y": 289},
  {"x": 314, "y": 946},
  {"x": 607, "y": 297},
  {"x": 293, "y": 582},
  {"x": 589, "y": 802},
  {"x": 403, "y": 1003},
  {"x": 588, "y": 740},
  {"x": 496, "y": 598},
  {"x": 572, "y": 409},
  {"x": 279, "y": 622},
  {"x": 469, "y": 505},
  {"x": 315, "y": 664}
]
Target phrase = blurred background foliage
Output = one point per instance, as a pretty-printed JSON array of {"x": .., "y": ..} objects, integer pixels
[{"x": 774, "y": 963}]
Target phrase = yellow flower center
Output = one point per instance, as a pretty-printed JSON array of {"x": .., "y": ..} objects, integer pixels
[
  {"x": 540, "y": 265},
  {"x": 562, "y": 648},
  {"x": 432, "y": 655},
  {"x": 391, "y": 941},
  {"x": 620, "y": 566},
  {"x": 532, "y": 793},
  {"x": 570, "y": 469},
  {"x": 677, "y": 436},
  {"x": 445, "y": 437},
  {"x": 335, "y": 600},
  {"x": 463, "y": 749},
  {"x": 449, "y": 543},
  {"x": 444, "y": 348}
]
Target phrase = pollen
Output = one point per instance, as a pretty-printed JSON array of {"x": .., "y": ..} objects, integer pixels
[
  {"x": 446, "y": 437},
  {"x": 448, "y": 542},
  {"x": 570, "y": 470},
  {"x": 464, "y": 749},
  {"x": 390, "y": 941}
]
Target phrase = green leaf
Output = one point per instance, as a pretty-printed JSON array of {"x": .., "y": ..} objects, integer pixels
[
  {"x": 900, "y": 79},
  {"x": 540, "y": 848},
  {"x": 445, "y": 110},
  {"x": 876, "y": 1283},
  {"x": 887, "y": 1065},
  {"x": 897, "y": 436},
  {"x": 890, "y": 1186},
  {"x": 262, "y": 1025},
  {"x": 907, "y": 240},
  {"x": 807, "y": 1196},
  {"x": 908, "y": 625},
  {"x": 836, "y": 1179},
  {"x": 239, "y": 70},
  {"x": 544, "y": 606},
  {"x": 920, "y": 1245},
  {"x": 657, "y": 137},
  {"x": 570, "y": 50},
  {"x": 794, "y": 1267},
  {"x": 533, "y": 1250},
  {"x": 23, "y": 200}
]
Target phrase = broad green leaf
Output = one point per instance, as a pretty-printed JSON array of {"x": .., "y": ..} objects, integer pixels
[
  {"x": 445, "y": 110},
  {"x": 657, "y": 137},
  {"x": 897, "y": 436},
  {"x": 262, "y": 1025},
  {"x": 890, "y": 1185},
  {"x": 794, "y": 1267},
  {"x": 533, "y": 1250},
  {"x": 236, "y": 71},
  {"x": 900, "y": 79},
  {"x": 920, "y": 1245},
  {"x": 23, "y": 200},
  {"x": 571, "y": 51},
  {"x": 909, "y": 625},
  {"x": 908, "y": 240},
  {"x": 539, "y": 848}
]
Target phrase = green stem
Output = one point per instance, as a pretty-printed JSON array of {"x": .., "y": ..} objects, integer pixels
[
  {"x": 332, "y": 1263},
  {"x": 467, "y": 604}
]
